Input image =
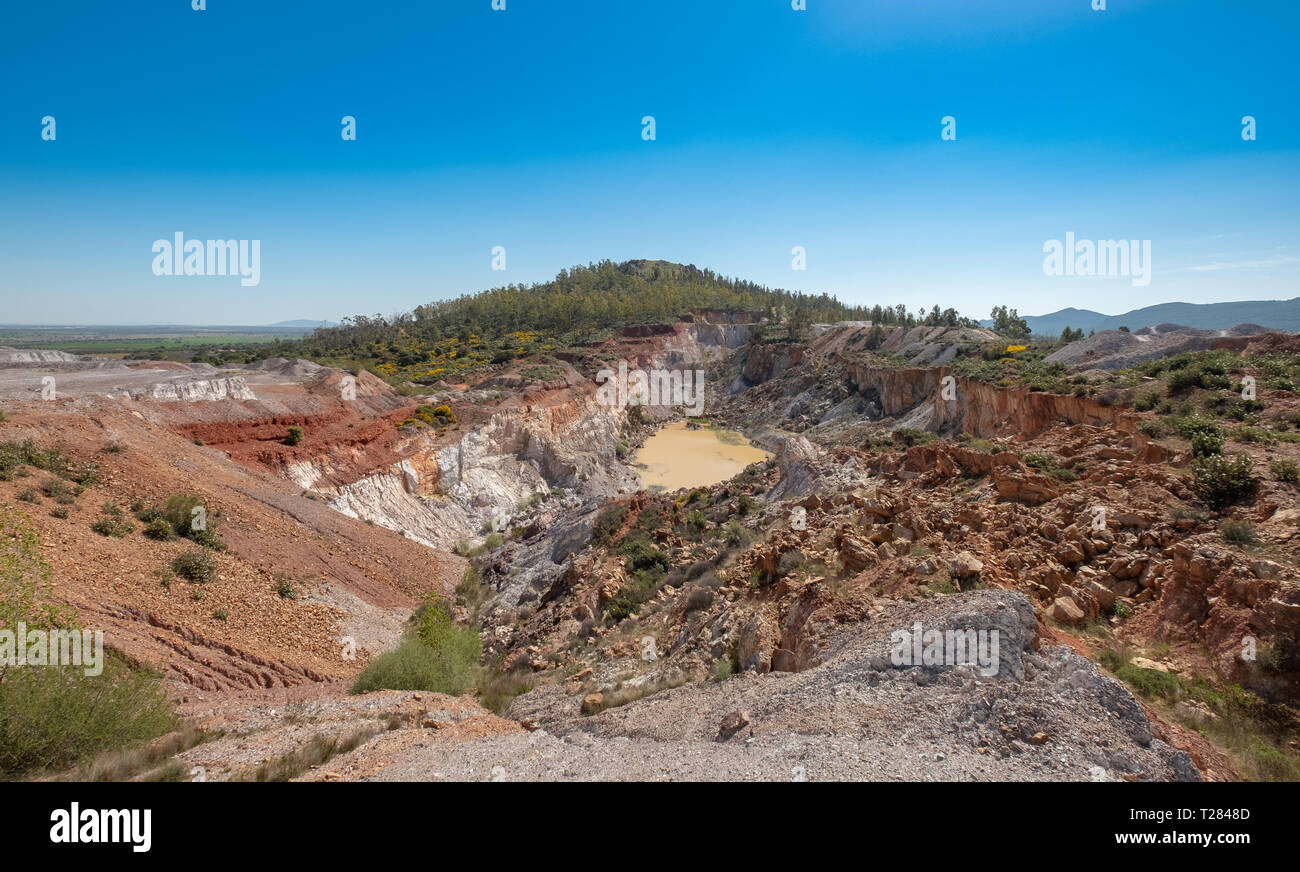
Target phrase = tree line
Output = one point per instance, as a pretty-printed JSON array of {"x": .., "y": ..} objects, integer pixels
[{"x": 581, "y": 302}]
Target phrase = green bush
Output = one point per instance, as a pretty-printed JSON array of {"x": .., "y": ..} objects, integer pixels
[
  {"x": 1206, "y": 444},
  {"x": 1182, "y": 379},
  {"x": 1153, "y": 428},
  {"x": 412, "y": 666},
  {"x": 30, "y": 453},
  {"x": 1049, "y": 465},
  {"x": 53, "y": 717},
  {"x": 113, "y": 525},
  {"x": 284, "y": 586},
  {"x": 194, "y": 565},
  {"x": 295, "y": 435},
  {"x": 1220, "y": 480},
  {"x": 58, "y": 489},
  {"x": 159, "y": 529},
  {"x": 637, "y": 590},
  {"x": 208, "y": 539},
  {"x": 439, "y": 416},
  {"x": 436, "y": 655},
  {"x": 1237, "y": 532},
  {"x": 909, "y": 436},
  {"x": 178, "y": 513},
  {"x": 1285, "y": 470},
  {"x": 639, "y": 554},
  {"x": 1146, "y": 401},
  {"x": 1188, "y": 426},
  {"x": 1255, "y": 434}
]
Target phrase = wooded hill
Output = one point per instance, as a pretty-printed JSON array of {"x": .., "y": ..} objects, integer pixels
[{"x": 582, "y": 304}]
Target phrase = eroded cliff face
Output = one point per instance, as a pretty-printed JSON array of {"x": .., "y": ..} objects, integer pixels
[
  {"x": 201, "y": 390},
  {"x": 440, "y": 494},
  {"x": 921, "y": 398}
]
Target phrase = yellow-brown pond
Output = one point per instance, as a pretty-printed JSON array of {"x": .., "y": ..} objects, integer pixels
[{"x": 677, "y": 457}]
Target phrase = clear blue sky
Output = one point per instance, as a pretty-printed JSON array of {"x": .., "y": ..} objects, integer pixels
[{"x": 522, "y": 128}]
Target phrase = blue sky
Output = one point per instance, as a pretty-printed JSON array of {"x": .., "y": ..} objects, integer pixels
[{"x": 522, "y": 128}]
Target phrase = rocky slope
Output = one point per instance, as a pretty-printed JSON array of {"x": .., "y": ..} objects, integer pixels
[{"x": 1040, "y": 513}]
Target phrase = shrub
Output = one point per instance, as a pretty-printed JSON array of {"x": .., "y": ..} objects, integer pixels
[
  {"x": 284, "y": 586},
  {"x": 113, "y": 525},
  {"x": 159, "y": 529},
  {"x": 1153, "y": 428},
  {"x": 1237, "y": 532},
  {"x": 607, "y": 521},
  {"x": 1188, "y": 424},
  {"x": 145, "y": 514},
  {"x": 86, "y": 475},
  {"x": 194, "y": 565},
  {"x": 1255, "y": 434},
  {"x": 57, "y": 488},
  {"x": 1220, "y": 480},
  {"x": 54, "y": 717},
  {"x": 295, "y": 435},
  {"x": 1206, "y": 444},
  {"x": 439, "y": 416},
  {"x": 1182, "y": 379},
  {"x": 28, "y": 495},
  {"x": 1146, "y": 401},
  {"x": 30, "y": 453},
  {"x": 638, "y": 590},
  {"x": 1044, "y": 462},
  {"x": 1049, "y": 465},
  {"x": 497, "y": 690},
  {"x": 639, "y": 554},
  {"x": 698, "y": 598},
  {"x": 909, "y": 436},
  {"x": 208, "y": 539},
  {"x": 179, "y": 513},
  {"x": 436, "y": 655},
  {"x": 1285, "y": 470}
]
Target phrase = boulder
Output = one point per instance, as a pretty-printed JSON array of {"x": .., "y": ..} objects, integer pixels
[
  {"x": 1066, "y": 611},
  {"x": 966, "y": 565}
]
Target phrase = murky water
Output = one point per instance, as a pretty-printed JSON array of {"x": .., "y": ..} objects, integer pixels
[{"x": 677, "y": 457}]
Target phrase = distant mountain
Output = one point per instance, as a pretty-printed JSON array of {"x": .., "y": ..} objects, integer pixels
[
  {"x": 1281, "y": 315},
  {"x": 303, "y": 324},
  {"x": 1053, "y": 324}
]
